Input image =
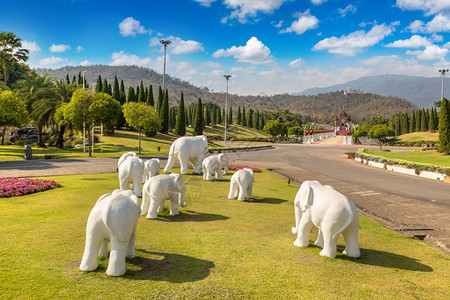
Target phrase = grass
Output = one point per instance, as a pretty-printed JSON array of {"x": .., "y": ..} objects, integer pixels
[
  {"x": 431, "y": 157},
  {"x": 124, "y": 141},
  {"x": 216, "y": 248},
  {"x": 414, "y": 137}
]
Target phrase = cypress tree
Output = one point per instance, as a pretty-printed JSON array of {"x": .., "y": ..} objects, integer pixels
[
  {"x": 146, "y": 94},
  {"x": 141, "y": 94},
  {"x": 105, "y": 86},
  {"x": 412, "y": 122},
  {"x": 160, "y": 100},
  {"x": 423, "y": 121},
  {"x": 198, "y": 120},
  {"x": 230, "y": 115},
  {"x": 164, "y": 115},
  {"x": 404, "y": 124},
  {"x": 150, "y": 99},
  {"x": 99, "y": 86},
  {"x": 261, "y": 122},
  {"x": 239, "y": 117},
  {"x": 397, "y": 131},
  {"x": 255, "y": 119},
  {"x": 219, "y": 116},
  {"x": 418, "y": 120},
  {"x": 180, "y": 125},
  {"x": 171, "y": 118},
  {"x": 207, "y": 115},
  {"x": 244, "y": 117},
  {"x": 436, "y": 117},
  {"x": 67, "y": 79},
  {"x": 74, "y": 80},
  {"x": 214, "y": 116},
  {"x": 116, "y": 89},
  {"x": 110, "y": 89},
  {"x": 444, "y": 127},
  {"x": 80, "y": 79},
  {"x": 432, "y": 121},
  {"x": 123, "y": 97},
  {"x": 131, "y": 95},
  {"x": 250, "y": 118}
]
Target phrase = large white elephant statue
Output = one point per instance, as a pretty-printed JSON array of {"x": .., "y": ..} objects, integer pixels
[
  {"x": 241, "y": 184},
  {"x": 124, "y": 156},
  {"x": 131, "y": 171},
  {"x": 214, "y": 164},
  {"x": 160, "y": 188},
  {"x": 113, "y": 218},
  {"x": 151, "y": 168},
  {"x": 330, "y": 211},
  {"x": 188, "y": 149}
]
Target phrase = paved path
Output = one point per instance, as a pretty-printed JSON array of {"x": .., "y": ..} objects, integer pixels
[{"x": 407, "y": 204}]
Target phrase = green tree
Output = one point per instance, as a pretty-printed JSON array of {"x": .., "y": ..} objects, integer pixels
[
  {"x": 219, "y": 116},
  {"x": 230, "y": 115},
  {"x": 11, "y": 52},
  {"x": 412, "y": 122},
  {"x": 404, "y": 125},
  {"x": 63, "y": 93},
  {"x": 424, "y": 121},
  {"x": 380, "y": 132},
  {"x": 123, "y": 97},
  {"x": 207, "y": 115},
  {"x": 150, "y": 98},
  {"x": 13, "y": 111},
  {"x": 105, "y": 88},
  {"x": 131, "y": 95},
  {"x": 99, "y": 85},
  {"x": 418, "y": 120},
  {"x": 239, "y": 117},
  {"x": 105, "y": 111},
  {"x": 116, "y": 90},
  {"x": 274, "y": 128},
  {"x": 444, "y": 127},
  {"x": 244, "y": 117},
  {"x": 160, "y": 100},
  {"x": 295, "y": 131},
  {"x": 142, "y": 117},
  {"x": 432, "y": 121},
  {"x": 198, "y": 120},
  {"x": 250, "y": 118},
  {"x": 141, "y": 95},
  {"x": 164, "y": 114}
]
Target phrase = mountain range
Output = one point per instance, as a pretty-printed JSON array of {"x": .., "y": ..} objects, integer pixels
[
  {"x": 323, "y": 107},
  {"x": 422, "y": 91}
]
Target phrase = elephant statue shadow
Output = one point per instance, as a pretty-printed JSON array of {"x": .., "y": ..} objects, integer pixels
[
  {"x": 170, "y": 267},
  {"x": 265, "y": 200},
  {"x": 386, "y": 260},
  {"x": 191, "y": 216}
]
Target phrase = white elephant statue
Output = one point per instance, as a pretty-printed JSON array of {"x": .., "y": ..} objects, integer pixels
[
  {"x": 151, "y": 168},
  {"x": 241, "y": 184},
  {"x": 330, "y": 211},
  {"x": 113, "y": 218},
  {"x": 214, "y": 164},
  {"x": 158, "y": 189},
  {"x": 188, "y": 149},
  {"x": 124, "y": 156},
  {"x": 131, "y": 171}
]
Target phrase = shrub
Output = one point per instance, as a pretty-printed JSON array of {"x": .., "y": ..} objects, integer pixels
[{"x": 14, "y": 187}]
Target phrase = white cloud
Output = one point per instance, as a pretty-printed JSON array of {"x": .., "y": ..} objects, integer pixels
[
  {"x": 296, "y": 63},
  {"x": 355, "y": 42},
  {"x": 437, "y": 38},
  {"x": 124, "y": 59},
  {"x": 416, "y": 41},
  {"x": 447, "y": 45},
  {"x": 186, "y": 69},
  {"x": 254, "y": 52},
  {"x": 243, "y": 70},
  {"x": 304, "y": 22},
  {"x": 205, "y": 2},
  {"x": 32, "y": 46},
  {"x": 417, "y": 26},
  {"x": 318, "y": 2},
  {"x": 349, "y": 9},
  {"x": 79, "y": 49},
  {"x": 85, "y": 63},
  {"x": 52, "y": 61},
  {"x": 440, "y": 23},
  {"x": 277, "y": 24},
  {"x": 431, "y": 7},
  {"x": 59, "y": 48},
  {"x": 431, "y": 52},
  {"x": 178, "y": 46},
  {"x": 242, "y": 9},
  {"x": 210, "y": 65},
  {"x": 131, "y": 27}
]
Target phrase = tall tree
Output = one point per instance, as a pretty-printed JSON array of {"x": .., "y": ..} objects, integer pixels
[
  {"x": 230, "y": 115},
  {"x": 214, "y": 116},
  {"x": 80, "y": 79},
  {"x": 99, "y": 86},
  {"x": 141, "y": 95},
  {"x": 116, "y": 89},
  {"x": 444, "y": 127},
  {"x": 198, "y": 120},
  {"x": 160, "y": 100},
  {"x": 412, "y": 122},
  {"x": 418, "y": 120},
  {"x": 164, "y": 114},
  {"x": 12, "y": 111},
  {"x": 131, "y": 95},
  {"x": 123, "y": 97},
  {"x": 11, "y": 52},
  {"x": 239, "y": 117},
  {"x": 67, "y": 78},
  {"x": 432, "y": 121},
  {"x": 244, "y": 117},
  {"x": 105, "y": 88},
  {"x": 63, "y": 94},
  {"x": 423, "y": 121},
  {"x": 150, "y": 98},
  {"x": 207, "y": 115},
  {"x": 180, "y": 125}
]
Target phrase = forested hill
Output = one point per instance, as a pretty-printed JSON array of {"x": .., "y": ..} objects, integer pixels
[{"x": 322, "y": 107}]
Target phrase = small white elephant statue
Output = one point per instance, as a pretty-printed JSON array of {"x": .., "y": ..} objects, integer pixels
[
  {"x": 158, "y": 189},
  {"x": 131, "y": 171},
  {"x": 188, "y": 149},
  {"x": 241, "y": 184},
  {"x": 113, "y": 218},
  {"x": 330, "y": 211},
  {"x": 151, "y": 168},
  {"x": 124, "y": 156},
  {"x": 214, "y": 164}
]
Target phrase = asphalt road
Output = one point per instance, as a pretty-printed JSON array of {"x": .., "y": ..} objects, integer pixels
[{"x": 410, "y": 205}]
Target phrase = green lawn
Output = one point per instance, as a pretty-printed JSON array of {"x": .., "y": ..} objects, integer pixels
[
  {"x": 124, "y": 141},
  {"x": 419, "y": 137},
  {"x": 216, "y": 249},
  {"x": 430, "y": 157}
]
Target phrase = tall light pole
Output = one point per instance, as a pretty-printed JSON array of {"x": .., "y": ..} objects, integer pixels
[
  {"x": 84, "y": 123},
  {"x": 226, "y": 109},
  {"x": 165, "y": 43},
  {"x": 443, "y": 71}
]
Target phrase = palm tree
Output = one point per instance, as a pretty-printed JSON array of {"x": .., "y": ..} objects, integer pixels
[
  {"x": 10, "y": 51},
  {"x": 37, "y": 90}
]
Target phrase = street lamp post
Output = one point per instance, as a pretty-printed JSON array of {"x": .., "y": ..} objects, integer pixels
[
  {"x": 443, "y": 71},
  {"x": 84, "y": 123},
  {"x": 165, "y": 43},
  {"x": 227, "y": 77}
]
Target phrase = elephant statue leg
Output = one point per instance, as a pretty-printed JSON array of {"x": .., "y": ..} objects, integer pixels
[
  {"x": 249, "y": 190},
  {"x": 124, "y": 184},
  {"x": 197, "y": 166},
  {"x": 161, "y": 206},
  {"x": 137, "y": 188},
  {"x": 319, "y": 241},
  {"x": 329, "y": 242},
  {"x": 103, "y": 251},
  {"x": 130, "y": 251},
  {"x": 351, "y": 240},
  {"x": 219, "y": 174},
  {"x": 174, "y": 199},
  {"x": 145, "y": 203},
  {"x": 153, "y": 210},
  {"x": 233, "y": 190},
  {"x": 89, "y": 261},
  {"x": 184, "y": 163},
  {"x": 303, "y": 231},
  {"x": 169, "y": 165},
  {"x": 116, "y": 265},
  {"x": 242, "y": 190}
]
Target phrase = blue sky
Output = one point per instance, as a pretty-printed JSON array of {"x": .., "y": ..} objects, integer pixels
[{"x": 270, "y": 46}]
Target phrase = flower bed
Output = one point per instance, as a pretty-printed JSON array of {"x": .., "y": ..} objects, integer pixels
[
  {"x": 240, "y": 167},
  {"x": 14, "y": 187}
]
